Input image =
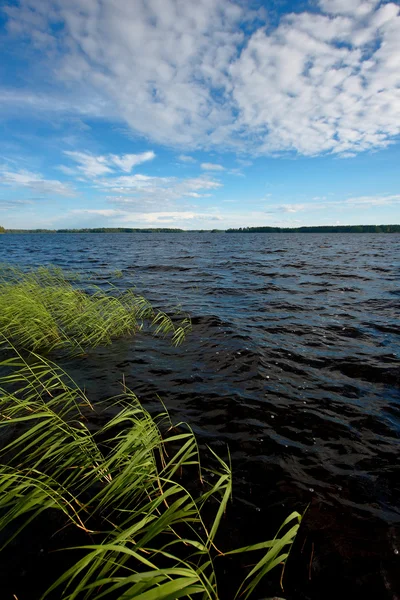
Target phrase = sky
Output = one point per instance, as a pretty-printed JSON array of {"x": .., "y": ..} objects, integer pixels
[{"x": 199, "y": 114}]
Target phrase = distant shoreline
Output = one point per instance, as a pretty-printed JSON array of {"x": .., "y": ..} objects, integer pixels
[{"x": 310, "y": 229}]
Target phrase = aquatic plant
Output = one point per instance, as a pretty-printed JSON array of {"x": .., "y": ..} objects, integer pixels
[
  {"x": 147, "y": 535},
  {"x": 44, "y": 310}
]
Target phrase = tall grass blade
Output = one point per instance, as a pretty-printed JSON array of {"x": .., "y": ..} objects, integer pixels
[
  {"x": 146, "y": 534},
  {"x": 45, "y": 310}
]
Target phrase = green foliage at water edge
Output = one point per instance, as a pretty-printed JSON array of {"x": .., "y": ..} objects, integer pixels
[
  {"x": 147, "y": 537},
  {"x": 44, "y": 310}
]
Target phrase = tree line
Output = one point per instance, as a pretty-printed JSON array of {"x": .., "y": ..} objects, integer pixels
[
  {"x": 98, "y": 230},
  {"x": 321, "y": 229},
  {"x": 316, "y": 229}
]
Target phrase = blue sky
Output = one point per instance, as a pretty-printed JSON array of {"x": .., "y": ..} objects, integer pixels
[{"x": 198, "y": 113}]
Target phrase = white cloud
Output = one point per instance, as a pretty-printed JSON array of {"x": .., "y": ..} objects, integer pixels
[
  {"x": 292, "y": 208},
  {"x": 65, "y": 102},
  {"x": 13, "y": 204},
  {"x": 101, "y": 212},
  {"x": 212, "y": 167},
  {"x": 322, "y": 203},
  {"x": 185, "y": 74},
  {"x": 236, "y": 172},
  {"x": 126, "y": 162},
  {"x": 139, "y": 192},
  {"x": 66, "y": 170},
  {"x": 244, "y": 162},
  {"x": 173, "y": 217},
  {"x": 95, "y": 166},
  {"x": 89, "y": 165},
  {"x": 350, "y": 7},
  {"x": 374, "y": 200},
  {"x": 34, "y": 182},
  {"x": 321, "y": 84},
  {"x": 155, "y": 218},
  {"x": 158, "y": 62},
  {"x": 186, "y": 158}
]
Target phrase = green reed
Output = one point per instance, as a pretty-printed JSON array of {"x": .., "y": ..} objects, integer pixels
[
  {"x": 122, "y": 486},
  {"x": 43, "y": 310}
]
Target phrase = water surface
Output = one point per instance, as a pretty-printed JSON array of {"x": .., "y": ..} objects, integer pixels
[{"x": 293, "y": 360}]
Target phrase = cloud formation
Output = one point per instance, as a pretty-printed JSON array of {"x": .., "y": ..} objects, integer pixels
[
  {"x": 13, "y": 204},
  {"x": 388, "y": 200},
  {"x": 95, "y": 166},
  {"x": 186, "y": 158},
  {"x": 102, "y": 175},
  {"x": 145, "y": 193},
  {"x": 322, "y": 83},
  {"x": 153, "y": 218},
  {"x": 188, "y": 74},
  {"x": 212, "y": 167},
  {"x": 34, "y": 182},
  {"x": 353, "y": 202}
]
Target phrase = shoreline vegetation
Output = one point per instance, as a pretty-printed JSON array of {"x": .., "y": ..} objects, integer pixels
[
  {"x": 310, "y": 229},
  {"x": 123, "y": 490},
  {"x": 46, "y": 310}
]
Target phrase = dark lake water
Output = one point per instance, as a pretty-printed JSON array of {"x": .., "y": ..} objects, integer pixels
[{"x": 294, "y": 362}]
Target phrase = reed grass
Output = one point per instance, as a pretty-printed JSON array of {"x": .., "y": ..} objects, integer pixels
[
  {"x": 44, "y": 310},
  {"x": 123, "y": 486}
]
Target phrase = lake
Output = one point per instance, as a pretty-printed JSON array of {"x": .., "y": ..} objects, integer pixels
[{"x": 293, "y": 362}]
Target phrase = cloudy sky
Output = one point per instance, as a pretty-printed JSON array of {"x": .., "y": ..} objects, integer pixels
[{"x": 199, "y": 113}]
